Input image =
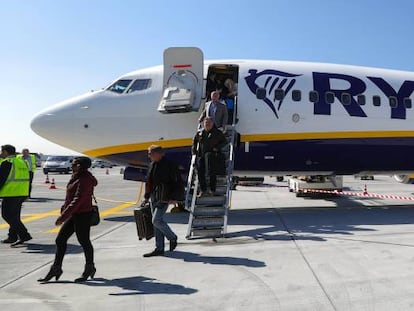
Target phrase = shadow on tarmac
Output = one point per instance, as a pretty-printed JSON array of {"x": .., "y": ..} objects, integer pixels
[
  {"x": 42, "y": 200},
  {"x": 34, "y": 248},
  {"x": 141, "y": 285},
  {"x": 215, "y": 260},
  {"x": 313, "y": 223}
]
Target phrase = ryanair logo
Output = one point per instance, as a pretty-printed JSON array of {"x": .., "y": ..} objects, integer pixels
[{"x": 336, "y": 83}]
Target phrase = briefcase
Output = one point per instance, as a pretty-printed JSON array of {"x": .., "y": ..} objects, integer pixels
[{"x": 143, "y": 220}]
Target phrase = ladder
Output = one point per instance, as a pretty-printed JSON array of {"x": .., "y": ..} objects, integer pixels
[{"x": 209, "y": 214}]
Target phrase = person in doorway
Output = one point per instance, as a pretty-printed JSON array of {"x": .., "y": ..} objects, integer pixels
[
  {"x": 163, "y": 177},
  {"x": 14, "y": 189},
  {"x": 31, "y": 164},
  {"x": 229, "y": 97},
  {"x": 216, "y": 110},
  {"x": 206, "y": 144},
  {"x": 75, "y": 216},
  {"x": 213, "y": 84}
]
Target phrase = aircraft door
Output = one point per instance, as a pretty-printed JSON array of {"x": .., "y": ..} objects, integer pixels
[{"x": 183, "y": 80}]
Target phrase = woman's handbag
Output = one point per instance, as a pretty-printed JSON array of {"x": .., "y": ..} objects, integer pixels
[{"x": 95, "y": 218}]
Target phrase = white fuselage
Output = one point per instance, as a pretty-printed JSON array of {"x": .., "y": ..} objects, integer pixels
[{"x": 118, "y": 126}]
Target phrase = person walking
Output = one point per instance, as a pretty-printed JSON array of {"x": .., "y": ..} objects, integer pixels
[
  {"x": 31, "y": 163},
  {"x": 14, "y": 189},
  {"x": 163, "y": 177},
  {"x": 206, "y": 145},
  {"x": 75, "y": 216},
  {"x": 216, "y": 110}
]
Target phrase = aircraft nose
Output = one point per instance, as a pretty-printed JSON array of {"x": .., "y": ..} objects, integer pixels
[{"x": 54, "y": 124}]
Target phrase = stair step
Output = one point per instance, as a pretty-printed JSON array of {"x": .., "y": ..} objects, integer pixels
[
  {"x": 208, "y": 233},
  {"x": 221, "y": 189},
  {"x": 208, "y": 211},
  {"x": 208, "y": 222},
  {"x": 211, "y": 201}
]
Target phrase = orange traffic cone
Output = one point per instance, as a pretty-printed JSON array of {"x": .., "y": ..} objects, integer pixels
[
  {"x": 47, "y": 179},
  {"x": 52, "y": 185},
  {"x": 107, "y": 172}
]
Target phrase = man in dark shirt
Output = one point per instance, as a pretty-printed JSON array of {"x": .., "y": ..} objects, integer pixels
[
  {"x": 163, "y": 176},
  {"x": 207, "y": 144},
  {"x": 14, "y": 189}
]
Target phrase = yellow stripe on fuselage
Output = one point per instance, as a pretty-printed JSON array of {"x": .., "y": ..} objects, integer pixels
[
  {"x": 138, "y": 147},
  {"x": 185, "y": 142}
]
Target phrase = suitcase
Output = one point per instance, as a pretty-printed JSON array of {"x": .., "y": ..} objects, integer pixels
[{"x": 143, "y": 220}]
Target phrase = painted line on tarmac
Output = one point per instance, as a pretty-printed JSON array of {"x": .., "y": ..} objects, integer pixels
[
  {"x": 55, "y": 212},
  {"x": 111, "y": 211}
]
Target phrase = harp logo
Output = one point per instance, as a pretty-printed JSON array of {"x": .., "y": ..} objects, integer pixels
[{"x": 271, "y": 80}]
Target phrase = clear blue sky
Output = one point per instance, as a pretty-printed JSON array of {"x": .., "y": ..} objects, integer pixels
[{"x": 52, "y": 50}]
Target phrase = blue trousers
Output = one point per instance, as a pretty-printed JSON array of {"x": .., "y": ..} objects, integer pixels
[{"x": 161, "y": 228}]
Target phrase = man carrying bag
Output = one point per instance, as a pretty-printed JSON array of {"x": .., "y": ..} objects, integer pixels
[{"x": 162, "y": 181}]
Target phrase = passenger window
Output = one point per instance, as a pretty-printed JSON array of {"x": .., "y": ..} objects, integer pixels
[
  {"x": 376, "y": 100},
  {"x": 296, "y": 95},
  {"x": 407, "y": 102},
  {"x": 279, "y": 94},
  {"x": 313, "y": 96},
  {"x": 139, "y": 85},
  {"x": 346, "y": 98},
  {"x": 393, "y": 101},
  {"x": 119, "y": 86},
  {"x": 361, "y": 100},
  {"x": 329, "y": 97}
]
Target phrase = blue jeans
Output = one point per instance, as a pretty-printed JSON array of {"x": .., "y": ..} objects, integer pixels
[{"x": 161, "y": 228}]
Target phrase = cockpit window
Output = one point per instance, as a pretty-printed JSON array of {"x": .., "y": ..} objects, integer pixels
[
  {"x": 119, "y": 86},
  {"x": 139, "y": 85}
]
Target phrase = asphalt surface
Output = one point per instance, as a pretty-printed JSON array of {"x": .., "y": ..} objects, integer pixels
[{"x": 281, "y": 253}]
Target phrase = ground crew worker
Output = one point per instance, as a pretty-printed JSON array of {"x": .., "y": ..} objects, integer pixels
[
  {"x": 14, "y": 189},
  {"x": 31, "y": 163}
]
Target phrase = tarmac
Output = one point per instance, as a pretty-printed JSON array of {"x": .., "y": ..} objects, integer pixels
[{"x": 281, "y": 253}]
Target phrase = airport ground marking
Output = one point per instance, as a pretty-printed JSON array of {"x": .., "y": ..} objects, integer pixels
[{"x": 34, "y": 217}]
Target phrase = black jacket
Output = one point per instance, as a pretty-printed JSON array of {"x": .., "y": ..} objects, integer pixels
[
  {"x": 162, "y": 182},
  {"x": 5, "y": 168},
  {"x": 210, "y": 141}
]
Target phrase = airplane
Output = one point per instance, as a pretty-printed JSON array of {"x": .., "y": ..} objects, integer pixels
[{"x": 294, "y": 118}]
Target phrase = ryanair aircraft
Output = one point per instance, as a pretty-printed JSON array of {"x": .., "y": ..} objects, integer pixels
[{"x": 293, "y": 117}]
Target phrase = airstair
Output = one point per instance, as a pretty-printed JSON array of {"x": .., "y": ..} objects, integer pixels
[{"x": 209, "y": 214}]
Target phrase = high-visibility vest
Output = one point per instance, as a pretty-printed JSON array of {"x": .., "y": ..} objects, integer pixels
[
  {"x": 33, "y": 158},
  {"x": 17, "y": 183}
]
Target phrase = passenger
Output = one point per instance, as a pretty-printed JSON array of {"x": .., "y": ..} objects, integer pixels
[
  {"x": 14, "y": 189},
  {"x": 230, "y": 94},
  {"x": 207, "y": 145},
  {"x": 162, "y": 179},
  {"x": 216, "y": 110},
  {"x": 212, "y": 85},
  {"x": 31, "y": 163},
  {"x": 75, "y": 216}
]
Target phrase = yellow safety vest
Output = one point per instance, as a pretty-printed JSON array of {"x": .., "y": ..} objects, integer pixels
[
  {"x": 17, "y": 183},
  {"x": 32, "y": 156}
]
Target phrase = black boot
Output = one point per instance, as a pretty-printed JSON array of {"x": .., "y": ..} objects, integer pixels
[
  {"x": 55, "y": 271},
  {"x": 88, "y": 272}
]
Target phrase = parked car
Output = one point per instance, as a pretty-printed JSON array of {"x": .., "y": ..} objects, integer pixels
[
  {"x": 60, "y": 164},
  {"x": 101, "y": 164}
]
